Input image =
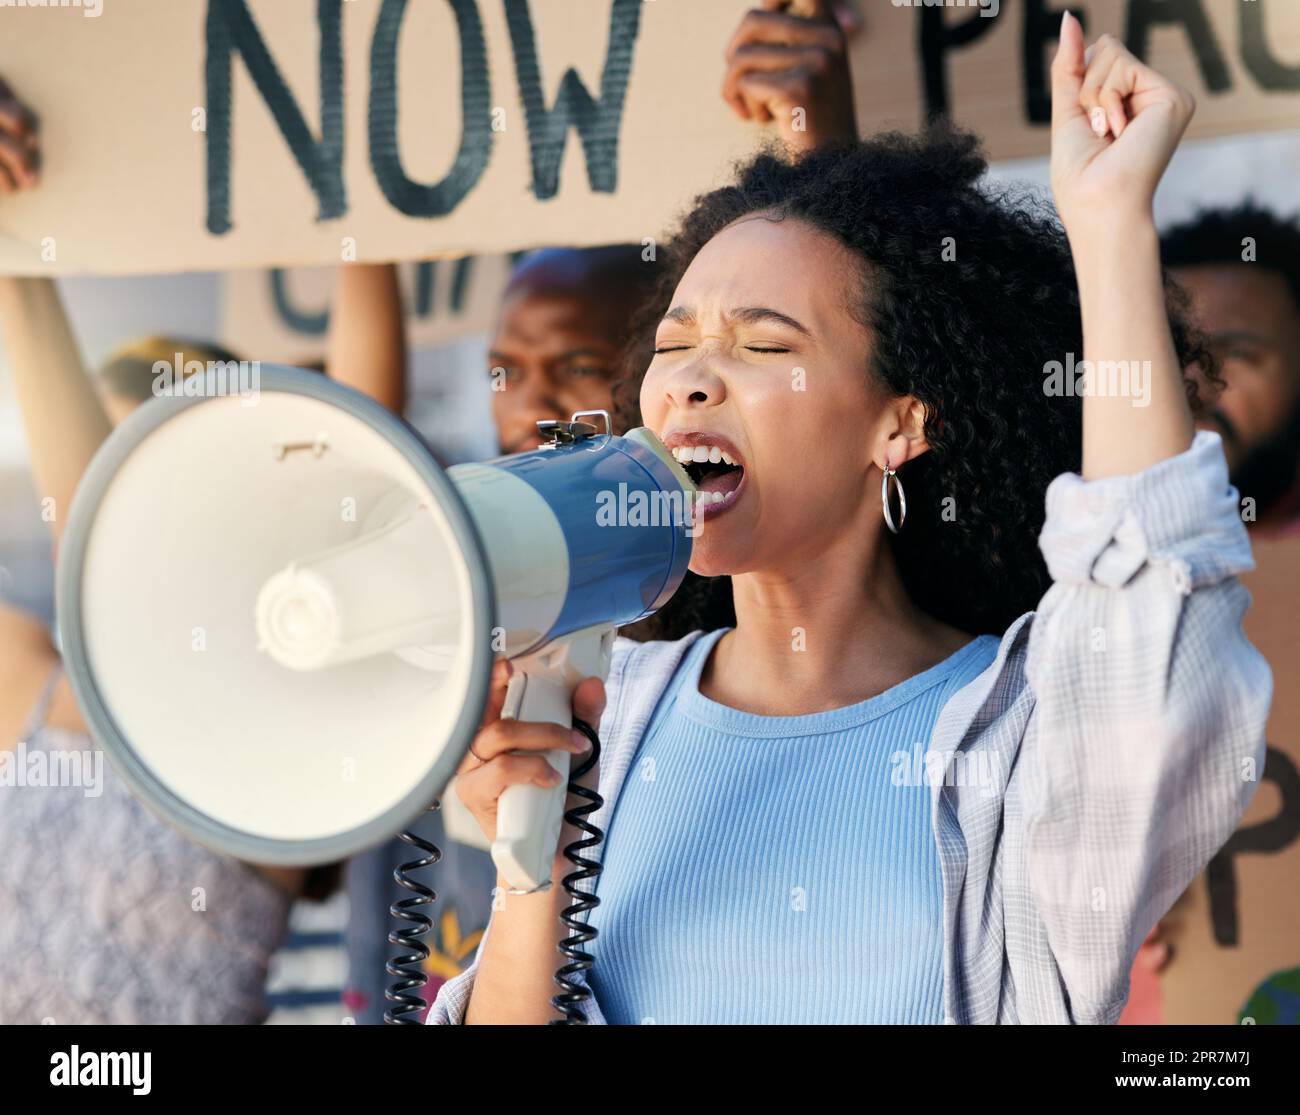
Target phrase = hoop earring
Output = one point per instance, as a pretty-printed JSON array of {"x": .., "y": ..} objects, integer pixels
[{"x": 884, "y": 500}]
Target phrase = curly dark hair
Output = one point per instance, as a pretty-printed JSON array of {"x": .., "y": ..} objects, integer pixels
[
  {"x": 1215, "y": 236},
  {"x": 967, "y": 336}
]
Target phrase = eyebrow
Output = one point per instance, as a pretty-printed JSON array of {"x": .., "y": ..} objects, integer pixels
[
  {"x": 567, "y": 354},
  {"x": 747, "y": 315},
  {"x": 1231, "y": 336},
  {"x": 586, "y": 350}
]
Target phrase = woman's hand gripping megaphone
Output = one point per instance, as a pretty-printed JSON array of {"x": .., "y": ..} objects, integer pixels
[{"x": 508, "y": 752}]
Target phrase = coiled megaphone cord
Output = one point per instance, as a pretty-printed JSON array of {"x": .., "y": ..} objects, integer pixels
[
  {"x": 573, "y": 994},
  {"x": 407, "y": 968}
]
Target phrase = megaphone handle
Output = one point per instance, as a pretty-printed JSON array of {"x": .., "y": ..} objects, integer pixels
[{"x": 529, "y": 818}]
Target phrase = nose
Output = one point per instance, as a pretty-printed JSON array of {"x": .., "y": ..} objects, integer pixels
[{"x": 694, "y": 385}]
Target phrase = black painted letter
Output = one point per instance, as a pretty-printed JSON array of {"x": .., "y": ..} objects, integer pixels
[
  {"x": 1042, "y": 26},
  {"x": 439, "y": 199},
  {"x": 598, "y": 122},
  {"x": 936, "y": 40},
  {"x": 300, "y": 321},
  {"x": 230, "y": 28},
  {"x": 1278, "y": 832},
  {"x": 1264, "y": 68},
  {"x": 1145, "y": 14}
]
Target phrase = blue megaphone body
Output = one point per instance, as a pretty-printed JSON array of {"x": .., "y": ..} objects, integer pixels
[{"x": 584, "y": 535}]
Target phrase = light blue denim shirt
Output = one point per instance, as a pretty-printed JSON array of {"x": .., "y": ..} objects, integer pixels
[{"x": 1082, "y": 780}]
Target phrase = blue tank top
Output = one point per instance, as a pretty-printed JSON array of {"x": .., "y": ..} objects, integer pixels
[{"x": 777, "y": 869}]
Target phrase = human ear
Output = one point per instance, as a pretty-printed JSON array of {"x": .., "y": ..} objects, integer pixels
[{"x": 903, "y": 437}]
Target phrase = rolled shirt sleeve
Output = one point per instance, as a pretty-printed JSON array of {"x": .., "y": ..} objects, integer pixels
[
  {"x": 1147, "y": 737},
  {"x": 449, "y": 1007}
]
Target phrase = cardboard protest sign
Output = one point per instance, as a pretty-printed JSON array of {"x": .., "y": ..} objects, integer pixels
[
  {"x": 283, "y": 314},
  {"x": 234, "y": 133},
  {"x": 914, "y": 58},
  {"x": 238, "y": 133},
  {"x": 1236, "y": 934}
]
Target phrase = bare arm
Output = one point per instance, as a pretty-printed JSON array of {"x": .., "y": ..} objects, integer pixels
[
  {"x": 62, "y": 415},
  {"x": 513, "y": 979},
  {"x": 1116, "y": 124},
  {"x": 516, "y": 972},
  {"x": 1130, "y": 317},
  {"x": 26, "y": 658},
  {"x": 367, "y": 342}
]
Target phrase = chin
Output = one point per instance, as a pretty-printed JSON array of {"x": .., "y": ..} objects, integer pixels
[{"x": 711, "y": 559}]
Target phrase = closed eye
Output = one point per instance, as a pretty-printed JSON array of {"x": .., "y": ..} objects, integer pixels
[
  {"x": 751, "y": 348},
  {"x": 1241, "y": 352}
]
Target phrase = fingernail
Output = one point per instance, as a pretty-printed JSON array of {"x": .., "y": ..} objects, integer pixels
[
  {"x": 555, "y": 777},
  {"x": 579, "y": 741},
  {"x": 1099, "y": 123},
  {"x": 1065, "y": 19}
]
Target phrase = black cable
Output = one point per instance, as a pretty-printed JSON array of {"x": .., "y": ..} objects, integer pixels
[
  {"x": 407, "y": 968},
  {"x": 572, "y": 994}
]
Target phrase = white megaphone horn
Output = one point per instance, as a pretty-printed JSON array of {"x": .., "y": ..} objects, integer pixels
[{"x": 279, "y": 614}]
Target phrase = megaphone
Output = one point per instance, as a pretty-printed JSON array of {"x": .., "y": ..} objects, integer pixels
[{"x": 279, "y": 615}]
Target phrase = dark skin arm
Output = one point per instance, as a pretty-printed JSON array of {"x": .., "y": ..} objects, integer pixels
[{"x": 367, "y": 340}]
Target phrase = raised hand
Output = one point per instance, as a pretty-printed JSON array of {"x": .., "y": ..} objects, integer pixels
[
  {"x": 1115, "y": 126},
  {"x": 788, "y": 62},
  {"x": 19, "y": 149}
]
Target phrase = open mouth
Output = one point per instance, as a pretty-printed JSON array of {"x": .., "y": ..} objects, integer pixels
[{"x": 717, "y": 474}]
